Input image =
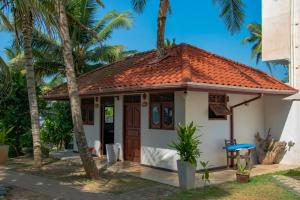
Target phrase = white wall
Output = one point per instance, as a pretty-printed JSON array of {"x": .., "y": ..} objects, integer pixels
[
  {"x": 276, "y": 29},
  {"x": 118, "y": 124},
  {"x": 155, "y": 150},
  {"x": 247, "y": 121},
  {"x": 92, "y": 132},
  {"x": 283, "y": 117}
]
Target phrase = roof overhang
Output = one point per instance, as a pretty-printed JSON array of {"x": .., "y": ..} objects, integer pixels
[{"x": 174, "y": 86}]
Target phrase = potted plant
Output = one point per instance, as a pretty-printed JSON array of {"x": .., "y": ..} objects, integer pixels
[
  {"x": 242, "y": 174},
  {"x": 187, "y": 149},
  {"x": 3, "y": 143}
]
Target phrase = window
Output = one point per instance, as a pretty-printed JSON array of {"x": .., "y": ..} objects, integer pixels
[
  {"x": 87, "y": 110},
  {"x": 162, "y": 111},
  {"x": 218, "y": 106}
]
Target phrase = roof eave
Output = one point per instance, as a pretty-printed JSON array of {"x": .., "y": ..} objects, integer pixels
[{"x": 177, "y": 86}]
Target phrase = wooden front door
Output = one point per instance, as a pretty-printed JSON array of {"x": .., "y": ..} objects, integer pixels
[{"x": 132, "y": 126}]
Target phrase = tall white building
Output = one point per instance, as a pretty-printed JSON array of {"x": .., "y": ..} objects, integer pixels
[
  {"x": 281, "y": 44},
  {"x": 281, "y": 35}
]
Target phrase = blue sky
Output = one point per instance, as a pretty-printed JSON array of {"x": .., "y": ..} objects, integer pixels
[{"x": 192, "y": 21}]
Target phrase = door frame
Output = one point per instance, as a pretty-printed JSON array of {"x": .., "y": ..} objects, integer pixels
[
  {"x": 102, "y": 116},
  {"x": 124, "y": 125}
]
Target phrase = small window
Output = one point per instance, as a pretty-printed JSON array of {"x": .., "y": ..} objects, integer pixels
[
  {"x": 162, "y": 111},
  {"x": 218, "y": 107},
  {"x": 87, "y": 111}
]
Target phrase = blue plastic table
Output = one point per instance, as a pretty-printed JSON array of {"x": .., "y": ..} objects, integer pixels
[{"x": 237, "y": 148}]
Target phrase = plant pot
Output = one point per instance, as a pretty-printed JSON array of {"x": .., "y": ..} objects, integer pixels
[
  {"x": 3, "y": 154},
  {"x": 242, "y": 178},
  {"x": 186, "y": 174}
]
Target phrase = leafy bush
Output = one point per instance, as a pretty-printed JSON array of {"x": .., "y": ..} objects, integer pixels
[
  {"x": 14, "y": 112},
  {"x": 187, "y": 144},
  {"x": 4, "y": 134},
  {"x": 57, "y": 127}
]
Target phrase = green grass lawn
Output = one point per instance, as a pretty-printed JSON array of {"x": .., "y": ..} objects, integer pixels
[{"x": 259, "y": 188}]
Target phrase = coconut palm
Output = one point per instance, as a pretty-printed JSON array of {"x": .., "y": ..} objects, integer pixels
[
  {"x": 254, "y": 38},
  {"x": 89, "y": 50},
  {"x": 231, "y": 12},
  {"x": 86, "y": 157},
  {"x": 26, "y": 14}
]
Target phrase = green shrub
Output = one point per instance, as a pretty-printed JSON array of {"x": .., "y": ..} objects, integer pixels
[
  {"x": 187, "y": 144},
  {"x": 57, "y": 126}
]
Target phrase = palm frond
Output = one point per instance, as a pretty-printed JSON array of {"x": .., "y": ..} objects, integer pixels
[
  {"x": 123, "y": 20},
  {"x": 232, "y": 12},
  {"x": 138, "y": 5}
]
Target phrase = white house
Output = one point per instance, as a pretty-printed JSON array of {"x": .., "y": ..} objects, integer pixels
[
  {"x": 150, "y": 96},
  {"x": 281, "y": 44}
]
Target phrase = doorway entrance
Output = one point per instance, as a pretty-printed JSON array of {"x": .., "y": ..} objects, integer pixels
[
  {"x": 107, "y": 122},
  {"x": 132, "y": 126}
]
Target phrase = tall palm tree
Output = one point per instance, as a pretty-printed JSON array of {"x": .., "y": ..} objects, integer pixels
[
  {"x": 231, "y": 12},
  {"x": 89, "y": 50},
  {"x": 27, "y": 13},
  {"x": 86, "y": 157}
]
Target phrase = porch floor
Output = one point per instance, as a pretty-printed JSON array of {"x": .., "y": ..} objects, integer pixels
[
  {"x": 168, "y": 177},
  {"x": 171, "y": 178}
]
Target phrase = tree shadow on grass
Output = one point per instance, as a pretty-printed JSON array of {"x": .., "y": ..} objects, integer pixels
[{"x": 207, "y": 192}]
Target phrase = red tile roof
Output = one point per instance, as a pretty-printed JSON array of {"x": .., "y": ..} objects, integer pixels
[{"x": 185, "y": 66}]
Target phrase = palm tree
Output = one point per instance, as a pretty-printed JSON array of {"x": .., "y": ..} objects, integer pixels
[
  {"x": 231, "y": 12},
  {"x": 86, "y": 157},
  {"x": 27, "y": 13},
  {"x": 89, "y": 51},
  {"x": 254, "y": 38}
]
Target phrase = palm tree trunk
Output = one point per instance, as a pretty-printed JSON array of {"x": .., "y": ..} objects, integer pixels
[
  {"x": 27, "y": 26},
  {"x": 161, "y": 24},
  {"x": 86, "y": 157}
]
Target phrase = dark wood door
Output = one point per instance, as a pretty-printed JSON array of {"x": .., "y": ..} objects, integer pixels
[{"x": 132, "y": 136}]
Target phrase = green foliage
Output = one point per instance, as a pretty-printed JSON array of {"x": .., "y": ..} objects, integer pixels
[
  {"x": 255, "y": 38},
  {"x": 89, "y": 35},
  {"x": 57, "y": 127},
  {"x": 242, "y": 169},
  {"x": 4, "y": 131},
  {"x": 14, "y": 112},
  {"x": 170, "y": 43},
  {"x": 231, "y": 11},
  {"x": 187, "y": 144},
  {"x": 205, "y": 175}
]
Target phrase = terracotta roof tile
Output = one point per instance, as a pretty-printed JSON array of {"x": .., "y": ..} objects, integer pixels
[{"x": 184, "y": 64}]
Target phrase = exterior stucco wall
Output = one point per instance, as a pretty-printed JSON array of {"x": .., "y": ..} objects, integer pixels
[
  {"x": 283, "y": 117},
  {"x": 92, "y": 132},
  {"x": 155, "y": 150},
  {"x": 276, "y": 29},
  {"x": 247, "y": 121},
  {"x": 118, "y": 126}
]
